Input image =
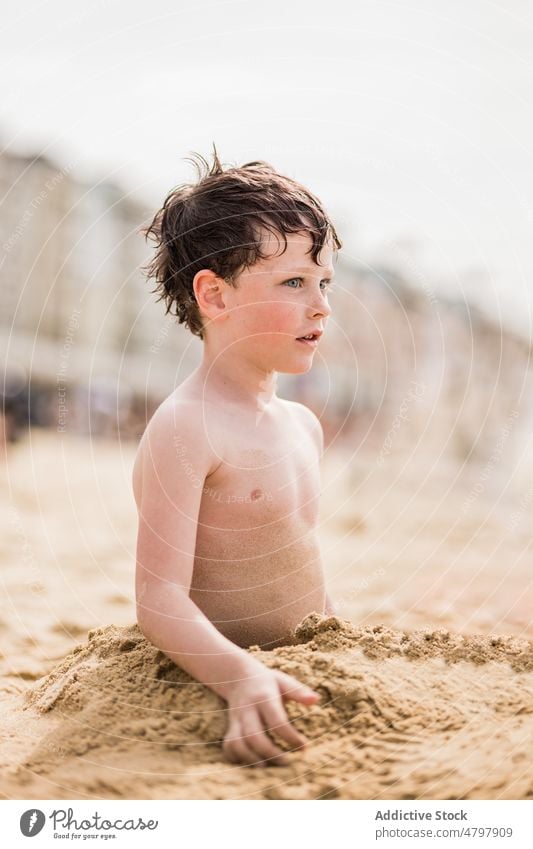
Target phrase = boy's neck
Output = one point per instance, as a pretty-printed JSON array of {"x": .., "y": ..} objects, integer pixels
[{"x": 229, "y": 376}]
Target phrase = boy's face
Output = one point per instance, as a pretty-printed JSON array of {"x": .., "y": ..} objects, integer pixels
[{"x": 277, "y": 301}]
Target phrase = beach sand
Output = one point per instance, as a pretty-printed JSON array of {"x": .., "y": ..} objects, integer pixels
[
  {"x": 426, "y": 675},
  {"x": 423, "y": 715}
]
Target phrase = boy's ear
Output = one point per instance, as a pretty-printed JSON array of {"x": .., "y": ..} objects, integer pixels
[{"x": 208, "y": 292}]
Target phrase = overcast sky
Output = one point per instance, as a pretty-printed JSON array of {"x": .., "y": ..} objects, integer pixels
[{"x": 411, "y": 120}]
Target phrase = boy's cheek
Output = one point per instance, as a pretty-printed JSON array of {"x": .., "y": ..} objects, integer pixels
[
  {"x": 270, "y": 318},
  {"x": 272, "y": 315}
]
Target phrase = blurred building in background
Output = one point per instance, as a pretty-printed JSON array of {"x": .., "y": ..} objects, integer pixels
[{"x": 85, "y": 345}]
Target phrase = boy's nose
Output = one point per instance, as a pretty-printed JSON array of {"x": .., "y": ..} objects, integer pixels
[{"x": 319, "y": 306}]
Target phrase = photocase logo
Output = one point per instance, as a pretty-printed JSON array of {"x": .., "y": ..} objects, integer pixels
[{"x": 31, "y": 822}]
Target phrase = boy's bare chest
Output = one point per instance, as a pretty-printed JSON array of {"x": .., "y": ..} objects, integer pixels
[{"x": 266, "y": 477}]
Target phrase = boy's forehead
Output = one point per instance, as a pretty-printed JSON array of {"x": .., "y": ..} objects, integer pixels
[{"x": 297, "y": 256}]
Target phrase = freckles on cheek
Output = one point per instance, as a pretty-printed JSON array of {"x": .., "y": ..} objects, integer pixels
[
  {"x": 283, "y": 318},
  {"x": 272, "y": 317},
  {"x": 280, "y": 327}
]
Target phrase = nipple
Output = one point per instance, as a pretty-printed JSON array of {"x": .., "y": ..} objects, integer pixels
[{"x": 255, "y": 494}]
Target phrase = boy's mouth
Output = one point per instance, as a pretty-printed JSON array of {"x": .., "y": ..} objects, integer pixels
[{"x": 311, "y": 339}]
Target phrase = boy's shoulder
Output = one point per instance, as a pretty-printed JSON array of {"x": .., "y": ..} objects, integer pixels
[
  {"x": 172, "y": 414},
  {"x": 177, "y": 426},
  {"x": 310, "y": 421}
]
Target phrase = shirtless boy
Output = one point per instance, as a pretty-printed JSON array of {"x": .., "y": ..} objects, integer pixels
[{"x": 227, "y": 476}]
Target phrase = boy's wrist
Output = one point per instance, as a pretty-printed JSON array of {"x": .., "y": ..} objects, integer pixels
[{"x": 234, "y": 669}]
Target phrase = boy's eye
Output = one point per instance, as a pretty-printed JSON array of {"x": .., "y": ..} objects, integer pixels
[{"x": 326, "y": 284}]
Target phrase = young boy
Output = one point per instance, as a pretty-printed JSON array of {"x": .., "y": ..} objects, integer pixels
[{"x": 226, "y": 478}]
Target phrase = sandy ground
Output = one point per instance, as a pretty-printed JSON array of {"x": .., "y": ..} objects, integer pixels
[{"x": 426, "y": 676}]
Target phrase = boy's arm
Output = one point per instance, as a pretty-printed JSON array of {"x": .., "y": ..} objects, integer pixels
[
  {"x": 175, "y": 465},
  {"x": 177, "y": 459}
]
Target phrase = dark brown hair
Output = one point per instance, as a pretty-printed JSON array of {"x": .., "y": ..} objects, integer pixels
[{"x": 216, "y": 223}]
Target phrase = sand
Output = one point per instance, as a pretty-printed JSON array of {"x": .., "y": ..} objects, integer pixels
[
  {"x": 425, "y": 676},
  {"x": 420, "y": 715}
]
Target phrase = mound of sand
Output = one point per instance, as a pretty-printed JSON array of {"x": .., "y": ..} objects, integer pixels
[{"x": 425, "y": 714}]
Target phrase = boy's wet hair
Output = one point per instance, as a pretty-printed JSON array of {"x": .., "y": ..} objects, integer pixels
[{"x": 217, "y": 223}]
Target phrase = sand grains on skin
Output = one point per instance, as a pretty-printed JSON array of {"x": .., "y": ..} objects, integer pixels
[{"x": 403, "y": 715}]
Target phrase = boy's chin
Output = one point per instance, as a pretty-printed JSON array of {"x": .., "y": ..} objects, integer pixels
[{"x": 296, "y": 368}]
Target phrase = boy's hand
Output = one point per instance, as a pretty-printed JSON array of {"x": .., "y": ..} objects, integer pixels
[{"x": 257, "y": 703}]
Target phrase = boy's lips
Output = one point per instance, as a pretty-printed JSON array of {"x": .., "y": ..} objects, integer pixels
[
  {"x": 312, "y": 338},
  {"x": 315, "y": 334}
]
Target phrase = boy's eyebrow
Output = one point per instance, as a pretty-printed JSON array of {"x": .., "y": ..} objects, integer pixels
[{"x": 309, "y": 270}]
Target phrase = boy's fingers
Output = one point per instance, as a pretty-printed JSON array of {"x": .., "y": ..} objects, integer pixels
[
  {"x": 242, "y": 754},
  {"x": 278, "y": 722},
  {"x": 231, "y": 745},
  {"x": 239, "y": 745},
  {"x": 236, "y": 751},
  {"x": 293, "y": 689},
  {"x": 256, "y": 739}
]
